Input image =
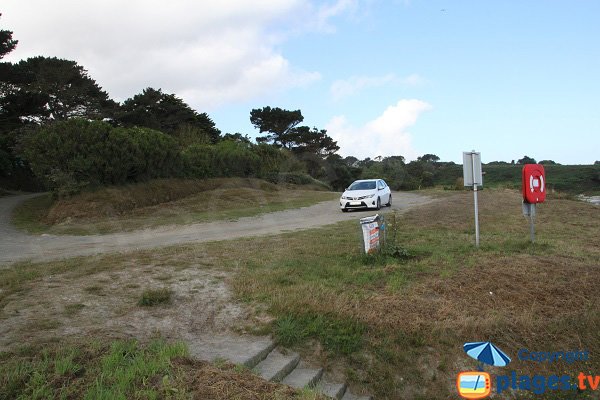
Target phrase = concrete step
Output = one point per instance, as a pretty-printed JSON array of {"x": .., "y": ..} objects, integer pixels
[
  {"x": 248, "y": 351},
  {"x": 350, "y": 396},
  {"x": 277, "y": 365},
  {"x": 303, "y": 377},
  {"x": 259, "y": 353},
  {"x": 333, "y": 390}
]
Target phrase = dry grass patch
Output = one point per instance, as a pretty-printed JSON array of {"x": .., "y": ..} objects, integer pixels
[{"x": 228, "y": 381}]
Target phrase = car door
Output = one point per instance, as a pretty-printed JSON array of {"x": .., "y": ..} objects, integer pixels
[
  {"x": 386, "y": 192},
  {"x": 380, "y": 191}
]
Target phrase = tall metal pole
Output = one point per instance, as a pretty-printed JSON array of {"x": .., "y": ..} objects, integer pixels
[{"x": 475, "y": 199}]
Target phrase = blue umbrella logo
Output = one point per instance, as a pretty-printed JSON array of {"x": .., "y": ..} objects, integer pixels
[{"x": 487, "y": 353}]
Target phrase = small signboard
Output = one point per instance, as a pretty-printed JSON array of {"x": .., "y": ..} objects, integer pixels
[
  {"x": 472, "y": 168},
  {"x": 370, "y": 231}
]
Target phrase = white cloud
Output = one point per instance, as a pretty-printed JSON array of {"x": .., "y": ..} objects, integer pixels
[
  {"x": 386, "y": 135},
  {"x": 209, "y": 53},
  {"x": 344, "y": 88},
  {"x": 328, "y": 11},
  {"x": 413, "y": 80}
]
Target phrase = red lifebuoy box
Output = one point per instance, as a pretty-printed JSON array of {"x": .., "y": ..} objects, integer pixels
[{"x": 534, "y": 183}]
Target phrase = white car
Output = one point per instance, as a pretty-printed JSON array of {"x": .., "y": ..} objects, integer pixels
[{"x": 366, "y": 193}]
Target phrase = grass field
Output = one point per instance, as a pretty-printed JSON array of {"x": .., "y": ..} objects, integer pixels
[
  {"x": 573, "y": 179},
  {"x": 163, "y": 202},
  {"x": 394, "y": 325}
]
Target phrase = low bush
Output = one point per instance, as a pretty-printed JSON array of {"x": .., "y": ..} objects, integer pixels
[
  {"x": 234, "y": 159},
  {"x": 197, "y": 160},
  {"x": 74, "y": 154}
]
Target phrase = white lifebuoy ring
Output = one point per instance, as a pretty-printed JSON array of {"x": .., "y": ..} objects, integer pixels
[
  {"x": 531, "y": 183},
  {"x": 540, "y": 180}
]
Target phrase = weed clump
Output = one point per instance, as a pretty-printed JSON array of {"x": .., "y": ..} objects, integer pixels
[
  {"x": 389, "y": 250},
  {"x": 386, "y": 254},
  {"x": 153, "y": 297},
  {"x": 339, "y": 336}
]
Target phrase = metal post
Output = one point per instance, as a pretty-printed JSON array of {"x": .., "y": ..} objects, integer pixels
[
  {"x": 476, "y": 216},
  {"x": 531, "y": 223},
  {"x": 475, "y": 200}
]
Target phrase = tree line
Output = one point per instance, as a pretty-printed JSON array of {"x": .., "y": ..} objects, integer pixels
[{"x": 59, "y": 130}]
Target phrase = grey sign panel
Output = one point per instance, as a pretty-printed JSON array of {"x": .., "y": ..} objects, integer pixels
[{"x": 472, "y": 169}]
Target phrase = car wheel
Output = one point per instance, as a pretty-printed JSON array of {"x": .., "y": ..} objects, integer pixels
[
  {"x": 378, "y": 203},
  {"x": 389, "y": 203}
]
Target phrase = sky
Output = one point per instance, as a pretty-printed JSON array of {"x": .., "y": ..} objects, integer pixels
[{"x": 406, "y": 77}]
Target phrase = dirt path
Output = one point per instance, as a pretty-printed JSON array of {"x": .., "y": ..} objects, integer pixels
[{"x": 17, "y": 246}]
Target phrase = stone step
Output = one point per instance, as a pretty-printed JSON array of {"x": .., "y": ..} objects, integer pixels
[
  {"x": 259, "y": 354},
  {"x": 248, "y": 351},
  {"x": 333, "y": 390},
  {"x": 350, "y": 396},
  {"x": 277, "y": 366},
  {"x": 303, "y": 377}
]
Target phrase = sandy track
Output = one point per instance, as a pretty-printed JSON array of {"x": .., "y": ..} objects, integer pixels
[{"x": 17, "y": 246}]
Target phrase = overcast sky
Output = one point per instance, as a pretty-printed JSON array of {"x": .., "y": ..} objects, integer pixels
[{"x": 406, "y": 77}]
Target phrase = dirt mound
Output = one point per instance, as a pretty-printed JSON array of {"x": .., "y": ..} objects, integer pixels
[{"x": 114, "y": 201}]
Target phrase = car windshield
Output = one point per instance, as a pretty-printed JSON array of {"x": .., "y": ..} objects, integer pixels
[{"x": 369, "y": 185}]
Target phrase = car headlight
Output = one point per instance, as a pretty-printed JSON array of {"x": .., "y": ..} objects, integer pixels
[{"x": 370, "y": 196}]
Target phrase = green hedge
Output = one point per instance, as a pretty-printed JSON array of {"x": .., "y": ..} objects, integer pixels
[{"x": 69, "y": 155}]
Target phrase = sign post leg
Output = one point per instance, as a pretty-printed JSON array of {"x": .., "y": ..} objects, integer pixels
[
  {"x": 532, "y": 223},
  {"x": 475, "y": 200},
  {"x": 476, "y": 216}
]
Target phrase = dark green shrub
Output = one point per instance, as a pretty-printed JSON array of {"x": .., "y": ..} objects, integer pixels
[
  {"x": 156, "y": 154},
  {"x": 70, "y": 155},
  {"x": 271, "y": 159},
  {"x": 119, "y": 155},
  {"x": 198, "y": 160},
  {"x": 235, "y": 159}
]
